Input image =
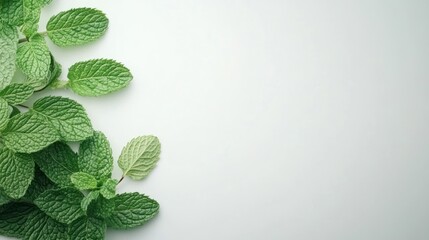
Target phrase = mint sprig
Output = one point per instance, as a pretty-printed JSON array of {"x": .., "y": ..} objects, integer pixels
[{"x": 48, "y": 190}]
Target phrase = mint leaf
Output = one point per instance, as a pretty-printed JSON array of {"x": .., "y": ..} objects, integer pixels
[
  {"x": 88, "y": 199},
  {"x": 34, "y": 59},
  {"x": 108, "y": 189},
  {"x": 66, "y": 115},
  {"x": 31, "y": 10},
  {"x": 102, "y": 207},
  {"x": 4, "y": 199},
  {"x": 62, "y": 205},
  {"x": 13, "y": 220},
  {"x": 87, "y": 228},
  {"x": 8, "y": 47},
  {"x": 77, "y": 26},
  {"x": 39, "y": 185},
  {"x": 16, "y": 173},
  {"x": 131, "y": 210},
  {"x": 83, "y": 181},
  {"x": 28, "y": 133},
  {"x": 16, "y": 93},
  {"x": 139, "y": 156},
  {"x": 40, "y": 226},
  {"x": 4, "y": 113},
  {"x": 11, "y": 12},
  {"x": 98, "y": 77},
  {"x": 58, "y": 162},
  {"x": 95, "y": 156}
]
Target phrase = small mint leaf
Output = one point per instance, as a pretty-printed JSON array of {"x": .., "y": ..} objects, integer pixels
[
  {"x": 95, "y": 156},
  {"x": 108, "y": 189},
  {"x": 16, "y": 93},
  {"x": 34, "y": 59},
  {"x": 83, "y": 181}
]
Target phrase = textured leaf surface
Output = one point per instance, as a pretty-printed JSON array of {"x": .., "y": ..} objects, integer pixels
[
  {"x": 29, "y": 133},
  {"x": 88, "y": 199},
  {"x": 139, "y": 156},
  {"x": 31, "y": 10},
  {"x": 77, "y": 26},
  {"x": 39, "y": 185},
  {"x": 66, "y": 115},
  {"x": 34, "y": 59},
  {"x": 16, "y": 93},
  {"x": 16, "y": 173},
  {"x": 4, "y": 113},
  {"x": 87, "y": 228},
  {"x": 95, "y": 156},
  {"x": 8, "y": 47},
  {"x": 84, "y": 181},
  {"x": 40, "y": 226},
  {"x": 108, "y": 189},
  {"x": 102, "y": 207},
  {"x": 58, "y": 162},
  {"x": 62, "y": 205},
  {"x": 11, "y": 12},
  {"x": 98, "y": 77},
  {"x": 13, "y": 221},
  {"x": 4, "y": 199},
  {"x": 131, "y": 210}
]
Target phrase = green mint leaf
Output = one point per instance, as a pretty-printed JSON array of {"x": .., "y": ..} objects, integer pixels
[
  {"x": 16, "y": 173},
  {"x": 83, "y": 181},
  {"x": 41, "y": 226},
  {"x": 29, "y": 133},
  {"x": 15, "y": 111},
  {"x": 31, "y": 10},
  {"x": 58, "y": 162},
  {"x": 98, "y": 77},
  {"x": 34, "y": 59},
  {"x": 131, "y": 210},
  {"x": 108, "y": 189},
  {"x": 139, "y": 156},
  {"x": 40, "y": 184},
  {"x": 77, "y": 26},
  {"x": 66, "y": 115},
  {"x": 95, "y": 156},
  {"x": 87, "y": 228},
  {"x": 16, "y": 93},
  {"x": 11, "y": 12},
  {"x": 8, "y": 47},
  {"x": 4, "y": 199},
  {"x": 102, "y": 207},
  {"x": 62, "y": 205},
  {"x": 4, "y": 113},
  {"x": 88, "y": 199},
  {"x": 13, "y": 220}
]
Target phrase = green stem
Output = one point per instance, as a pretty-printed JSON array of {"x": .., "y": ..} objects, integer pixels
[{"x": 24, "y": 106}]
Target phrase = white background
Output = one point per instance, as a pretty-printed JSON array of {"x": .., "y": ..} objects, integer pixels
[{"x": 278, "y": 119}]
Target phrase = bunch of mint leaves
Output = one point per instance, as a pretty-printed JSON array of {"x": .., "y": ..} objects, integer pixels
[{"x": 47, "y": 190}]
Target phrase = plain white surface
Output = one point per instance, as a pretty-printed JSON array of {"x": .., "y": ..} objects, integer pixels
[{"x": 278, "y": 119}]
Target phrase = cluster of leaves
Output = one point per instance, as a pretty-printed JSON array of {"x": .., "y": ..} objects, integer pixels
[{"x": 48, "y": 191}]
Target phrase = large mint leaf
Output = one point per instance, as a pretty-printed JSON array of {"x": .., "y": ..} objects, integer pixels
[
  {"x": 29, "y": 133},
  {"x": 77, "y": 26},
  {"x": 13, "y": 220},
  {"x": 5, "y": 111},
  {"x": 90, "y": 228},
  {"x": 131, "y": 210},
  {"x": 98, "y": 77},
  {"x": 62, "y": 205},
  {"x": 8, "y": 47},
  {"x": 139, "y": 156},
  {"x": 58, "y": 162},
  {"x": 66, "y": 115},
  {"x": 84, "y": 181},
  {"x": 95, "y": 156},
  {"x": 34, "y": 58},
  {"x": 39, "y": 226},
  {"x": 16, "y": 172},
  {"x": 16, "y": 93}
]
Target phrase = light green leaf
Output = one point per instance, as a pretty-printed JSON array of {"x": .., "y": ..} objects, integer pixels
[
  {"x": 88, "y": 199},
  {"x": 95, "y": 156},
  {"x": 14, "y": 219},
  {"x": 16, "y": 93},
  {"x": 83, "y": 181},
  {"x": 8, "y": 47},
  {"x": 66, "y": 115},
  {"x": 131, "y": 210},
  {"x": 41, "y": 226},
  {"x": 108, "y": 189},
  {"x": 31, "y": 10},
  {"x": 5, "y": 111},
  {"x": 16, "y": 173},
  {"x": 58, "y": 162},
  {"x": 98, "y": 77},
  {"x": 29, "y": 133},
  {"x": 77, "y": 26},
  {"x": 34, "y": 59},
  {"x": 90, "y": 228},
  {"x": 62, "y": 205},
  {"x": 139, "y": 157}
]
